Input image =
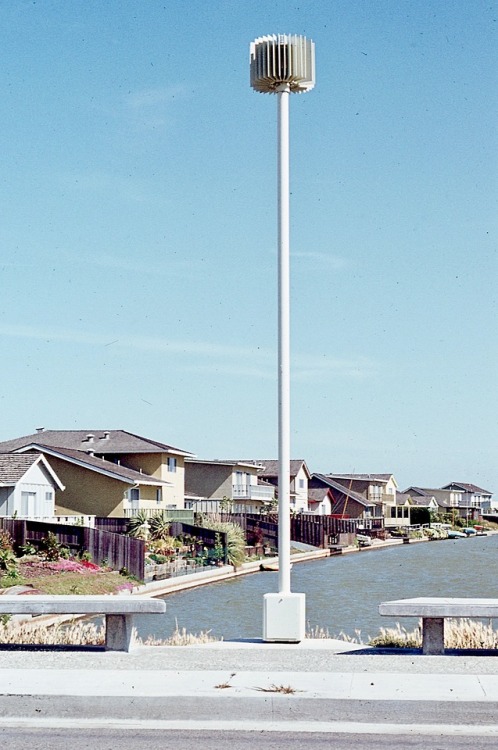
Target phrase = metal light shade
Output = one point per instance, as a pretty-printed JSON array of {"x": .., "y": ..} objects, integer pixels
[{"x": 283, "y": 59}]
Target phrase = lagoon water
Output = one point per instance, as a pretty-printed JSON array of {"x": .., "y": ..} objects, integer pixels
[{"x": 342, "y": 593}]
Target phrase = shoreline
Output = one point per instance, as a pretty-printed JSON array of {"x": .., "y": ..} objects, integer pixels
[{"x": 226, "y": 572}]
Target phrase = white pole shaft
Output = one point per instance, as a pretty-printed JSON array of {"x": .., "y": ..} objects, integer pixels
[{"x": 283, "y": 343}]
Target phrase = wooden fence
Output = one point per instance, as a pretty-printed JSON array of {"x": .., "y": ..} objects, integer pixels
[
  {"x": 318, "y": 531},
  {"x": 117, "y": 550}
]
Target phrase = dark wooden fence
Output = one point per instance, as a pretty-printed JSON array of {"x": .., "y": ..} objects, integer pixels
[
  {"x": 119, "y": 551},
  {"x": 318, "y": 531}
]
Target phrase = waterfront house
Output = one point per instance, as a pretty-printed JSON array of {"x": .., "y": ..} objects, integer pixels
[
  {"x": 28, "y": 484},
  {"x": 377, "y": 488},
  {"x": 299, "y": 481},
  {"x": 449, "y": 501},
  {"x": 113, "y": 472},
  {"x": 215, "y": 485},
  {"x": 350, "y": 504},
  {"x": 320, "y": 501},
  {"x": 472, "y": 496}
]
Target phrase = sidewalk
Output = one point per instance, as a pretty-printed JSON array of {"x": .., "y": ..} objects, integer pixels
[{"x": 245, "y": 682}]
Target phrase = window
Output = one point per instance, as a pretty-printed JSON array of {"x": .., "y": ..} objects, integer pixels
[
  {"x": 301, "y": 484},
  {"x": 171, "y": 464},
  {"x": 375, "y": 492},
  {"x": 158, "y": 495},
  {"x": 134, "y": 497}
]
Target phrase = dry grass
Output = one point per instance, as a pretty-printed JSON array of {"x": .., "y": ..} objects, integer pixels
[
  {"x": 283, "y": 689},
  {"x": 225, "y": 685},
  {"x": 79, "y": 633},
  {"x": 66, "y": 634},
  {"x": 317, "y": 632},
  {"x": 459, "y": 634}
]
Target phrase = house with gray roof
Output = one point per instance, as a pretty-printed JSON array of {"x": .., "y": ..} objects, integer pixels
[
  {"x": 449, "y": 501},
  {"x": 299, "y": 479},
  {"x": 473, "y": 496},
  {"x": 350, "y": 504},
  {"x": 213, "y": 484},
  {"x": 110, "y": 472},
  {"x": 27, "y": 485}
]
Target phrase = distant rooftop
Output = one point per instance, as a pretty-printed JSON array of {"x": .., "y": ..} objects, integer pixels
[{"x": 92, "y": 441}]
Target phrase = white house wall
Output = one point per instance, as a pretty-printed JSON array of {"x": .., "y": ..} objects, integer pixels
[
  {"x": 37, "y": 482},
  {"x": 301, "y": 493}
]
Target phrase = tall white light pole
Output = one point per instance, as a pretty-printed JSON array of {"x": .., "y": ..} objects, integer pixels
[{"x": 283, "y": 64}]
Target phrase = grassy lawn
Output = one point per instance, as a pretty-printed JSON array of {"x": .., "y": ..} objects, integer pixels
[{"x": 65, "y": 577}]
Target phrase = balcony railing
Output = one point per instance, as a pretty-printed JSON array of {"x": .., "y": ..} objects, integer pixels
[
  {"x": 79, "y": 520},
  {"x": 252, "y": 492}
]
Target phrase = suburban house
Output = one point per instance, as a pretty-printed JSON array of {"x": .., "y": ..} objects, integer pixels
[
  {"x": 299, "y": 480},
  {"x": 409, "y": 510},
  {"x": 472, "y": 496},
  {"x": 377, "y": 488},
  {"x": 109, "y": 473},
  {"x": 348, "y": 503},
  {"x": 448, "y": 501},
  {"x": 211, "y": 484},
  {"x": 28, "y": 484},
  {"x": 320, "y": 501}
]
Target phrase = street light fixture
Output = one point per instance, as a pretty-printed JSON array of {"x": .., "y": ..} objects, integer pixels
[{"x": 283, "y": 64}]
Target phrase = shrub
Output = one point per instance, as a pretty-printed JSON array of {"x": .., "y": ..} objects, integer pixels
[
  {"x": 236, "y": 541},
  {"x": 51, "y": 548},
  {"x": 6, "y": 541},
  {"x": 138, "y": 525}
]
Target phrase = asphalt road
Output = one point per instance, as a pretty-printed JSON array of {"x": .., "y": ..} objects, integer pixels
[{"x": 144, "y": 739}]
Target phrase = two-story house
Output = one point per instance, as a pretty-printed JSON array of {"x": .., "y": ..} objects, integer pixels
[
  {"x": 471, "y": 496},
  {"x": 299, "y": 480},
  {"x": 109, "y": 472},
  {"x": 378, "y": 489},
  {"x": 213, "y": 485},
  {"x": 347, "y": 503}
]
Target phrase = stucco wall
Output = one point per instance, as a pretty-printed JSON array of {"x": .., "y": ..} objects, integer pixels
[
  {"x": 209, "y": 480},
  {"x": 87, "y": 492},
  {"x": 156, "y": 465}
]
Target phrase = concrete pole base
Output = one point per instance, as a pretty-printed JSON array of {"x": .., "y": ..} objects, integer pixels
[{"x": 284, "y": 618}]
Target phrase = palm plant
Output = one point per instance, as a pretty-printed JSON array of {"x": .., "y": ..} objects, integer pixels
[
  {"x": 235, "y": 539},
  {"x": 138, "y": 525},
  {"x": 160, "y": 526}
]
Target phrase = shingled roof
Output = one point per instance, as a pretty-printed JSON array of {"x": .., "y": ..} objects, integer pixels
[
  {"x": 271, "y": 466},
  {"x": 94, "y": 463},
  {"x": 96, "y": 441},
  {"x": 13, "y": 467},
  {"x": 325, "y": 479}
]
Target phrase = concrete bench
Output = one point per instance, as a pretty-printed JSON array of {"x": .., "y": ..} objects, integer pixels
[
  {"x": 119, "y": 612},
  {"x": 434, "y": 611}
]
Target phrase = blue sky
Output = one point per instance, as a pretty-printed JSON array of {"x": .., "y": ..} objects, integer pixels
[{"x": 138, "y": 230}]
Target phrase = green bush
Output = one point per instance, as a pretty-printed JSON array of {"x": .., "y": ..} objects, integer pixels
[
  {"x": 236, "y": 541},
  {"x": 51, "y": 549}
]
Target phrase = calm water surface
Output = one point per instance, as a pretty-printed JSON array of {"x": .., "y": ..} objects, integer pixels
[{"x": 342, "y": 593}]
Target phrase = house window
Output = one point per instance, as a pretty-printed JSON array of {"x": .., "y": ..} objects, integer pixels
[
  {"x": 158, "y": 495},
  {"x": 393, "y": 512},
  {"x": 301, "y": 484},
  {"x": 172, "y": 464},
  {"x": 375, "y": 492},
  {"x": 134, "y": 497}
]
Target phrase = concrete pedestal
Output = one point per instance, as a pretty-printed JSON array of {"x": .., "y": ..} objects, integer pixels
[{"x": 284, "y": 618}]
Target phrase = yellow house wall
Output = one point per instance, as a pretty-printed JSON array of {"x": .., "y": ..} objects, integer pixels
[
  {"x": 86, "y": 492},
  {"x": 156, "y": 465}
]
